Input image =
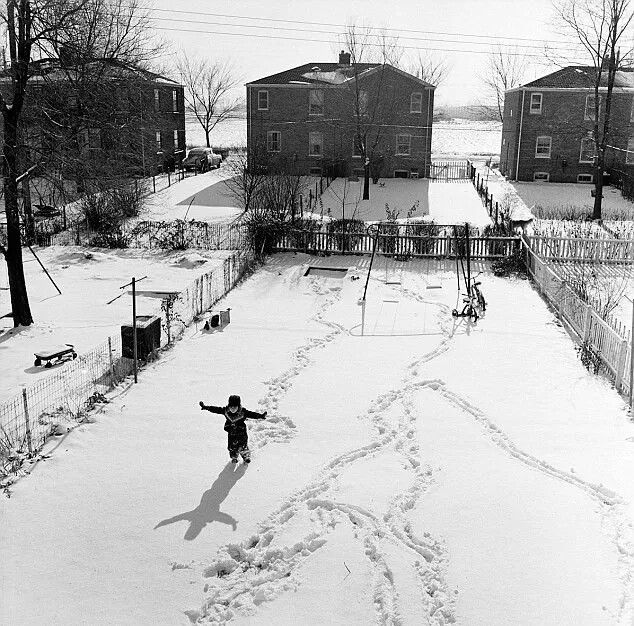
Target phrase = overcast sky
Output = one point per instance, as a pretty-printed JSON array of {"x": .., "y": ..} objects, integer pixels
[{"x": 263, "y": 38}]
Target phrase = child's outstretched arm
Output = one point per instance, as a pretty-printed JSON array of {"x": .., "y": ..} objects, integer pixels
[
  {"x": 211, "y": 408},
  {"x": 253, "y": 415}
]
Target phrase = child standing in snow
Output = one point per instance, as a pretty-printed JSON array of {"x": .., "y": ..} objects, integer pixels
[{"x": 235, "y": 425}]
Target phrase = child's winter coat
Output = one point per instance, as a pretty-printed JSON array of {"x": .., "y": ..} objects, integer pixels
[{"x": 235, "y": 423}]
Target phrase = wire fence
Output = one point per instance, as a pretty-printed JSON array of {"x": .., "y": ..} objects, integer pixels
[
  {"x": 602, "y": 347},
  {"x": 65, "y": 396}
]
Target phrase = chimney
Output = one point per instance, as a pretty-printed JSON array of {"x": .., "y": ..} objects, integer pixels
[{"x": 344, "y": 58}]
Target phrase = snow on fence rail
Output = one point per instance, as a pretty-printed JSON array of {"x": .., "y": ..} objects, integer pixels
[
  {"x": 613, "y": 350},
  {"x": 64, "y": 396},
  {"x": 583, "y": 249},
  {"x": 311, "y": 241}
]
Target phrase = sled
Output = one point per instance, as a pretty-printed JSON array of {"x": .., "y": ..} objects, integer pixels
[{"x": 61, "y": 353}]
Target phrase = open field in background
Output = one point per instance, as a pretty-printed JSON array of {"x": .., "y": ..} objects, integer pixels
[{"x": 454, "y": 139}]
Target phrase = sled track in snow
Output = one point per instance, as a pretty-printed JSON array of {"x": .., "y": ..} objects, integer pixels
[
  {"x": 248, "y": 573},
  {"x": 280, "y": 428}
]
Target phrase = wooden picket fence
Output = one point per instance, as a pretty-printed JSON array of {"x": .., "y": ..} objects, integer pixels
[
  {"x": 583, "y": 249},
  {"x": 610, "y": 350},
  {"x": 397, "y": 244}
]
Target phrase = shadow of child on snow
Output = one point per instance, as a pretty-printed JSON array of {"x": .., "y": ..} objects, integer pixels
[{"x": 208, "y": 510}]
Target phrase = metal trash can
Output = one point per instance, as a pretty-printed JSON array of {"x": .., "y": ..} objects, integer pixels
[{"x": 148, "y": 337}]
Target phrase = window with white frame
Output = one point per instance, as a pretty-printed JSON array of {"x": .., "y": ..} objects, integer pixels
[
  {"x": 176, "y": 140},
  {"x": 157, "y": 100},
  {"x": 159, "y": 140},
  {"x": 316, "y": 102},
  {"x": 543, "y": 176},
  {"x": 263, "y": 100},
  {"x": 589, "y": 113},
  {"x": 542, "y": 147},
  {"x": 174, "y": 100},
  {"x": 536, "y": 103},
  {"x": 585, "y": 178},
  {"x": 416, "y": 102},
  {"x": 315, "y": 144},
  {"x": 403, "y": 144},
  {"x": 588, "y": 150},
  {"x": 629, "y": 155},
  {"x": 273, "y": 140}
]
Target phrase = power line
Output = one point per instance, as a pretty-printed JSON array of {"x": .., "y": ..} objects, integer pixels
[
  {"x": 215, "y": 32},
  {"x": 326, "y": 32},
  {"x": 361, "y": 28}
]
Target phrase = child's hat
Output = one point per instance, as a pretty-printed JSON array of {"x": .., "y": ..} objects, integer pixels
[{"x": 234, "y": 401}]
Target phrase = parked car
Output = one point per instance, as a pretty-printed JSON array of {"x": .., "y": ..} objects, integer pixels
[{"x": 201, "y": 160}]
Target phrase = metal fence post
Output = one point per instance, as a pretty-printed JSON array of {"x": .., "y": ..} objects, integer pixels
[
  {"x": 27, "y": 422},
  {"x": 112, "y": 375}
]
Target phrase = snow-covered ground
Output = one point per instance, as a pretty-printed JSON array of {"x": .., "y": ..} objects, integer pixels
[
  {"x": 414, "y": 469},
  {"x": 443, "y": 203}
]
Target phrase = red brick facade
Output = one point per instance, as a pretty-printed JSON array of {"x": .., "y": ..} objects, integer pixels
[
  {"x": 308, "y": 119},
  {"x": 546, "y": 133}
]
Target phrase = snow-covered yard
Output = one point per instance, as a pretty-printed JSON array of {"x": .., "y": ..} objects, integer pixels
[
  {"x": 414, "y": 469},
  {"x": 442, "y": 203}
]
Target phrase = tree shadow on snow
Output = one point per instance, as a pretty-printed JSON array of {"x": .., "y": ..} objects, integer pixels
[{"x": 208, "y": 510}]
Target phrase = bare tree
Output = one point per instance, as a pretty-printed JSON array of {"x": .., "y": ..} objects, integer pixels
[
  {"x": 83, "y": 29},
  {"x": 371, "y": 108},
  {"x": 208, "y": 90},
  {"x": 505, "y": 69},
  {"x": 430, "y": 68},
  {"x": 601, "y": 27}
]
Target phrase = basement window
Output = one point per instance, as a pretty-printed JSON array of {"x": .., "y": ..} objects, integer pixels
[
  {"x": 585, "y": 178},
  {"x": 543, "y": 177}
]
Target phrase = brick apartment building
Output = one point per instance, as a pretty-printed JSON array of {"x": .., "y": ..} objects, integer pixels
[
  {"x": 328, "y": 118},
  {"x": 547, "y": 127},
  {"x": 133, "y": 116}
]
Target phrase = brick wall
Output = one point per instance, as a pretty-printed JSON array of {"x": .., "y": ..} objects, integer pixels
[
  {"x": 389, "y": 94},
  {"x": 562, "y": 119}
]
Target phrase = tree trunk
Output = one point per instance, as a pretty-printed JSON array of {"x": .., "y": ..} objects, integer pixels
[
  {"x": 17, "y": 285},
  {"x": 598, "y": 190},
  {"x": 207, "y": 138},
  {"x": 366, "y": 181}
]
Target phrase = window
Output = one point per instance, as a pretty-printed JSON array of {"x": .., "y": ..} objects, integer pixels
[
  {"x": 175, "y": 140},
  {"x": 416, "y": 102},
  {"x": 629, "y": 155},
  {"x": 588, "y": 150},
  {"x": 543, "y": 176},
  {"x": 157, "y": 100},
  {"x": 263, "y": 100},
  {"x": 536, "y": 103},
  {"x": 72, "y": 101},
  {"x": 357, "y": 151},
  {"x": 401, "y": 173},
  {"x": 159, "y": 143},
  {"x": 316, "y": 102},
  {"x": 315, "y": 171},
  {"x": 315, "y": 144},
  {"x": 403, "y": 144},
  {"x": 585, "y": 178},
  {"x": 274, "y": 141},
  {"x": 590, "y": 109},
  {"x": 94, "y": 138},
  {"x": 362, "y": 103},
  {"x": 122, "y": 99},
  {"x": 542, "y": 147}
]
